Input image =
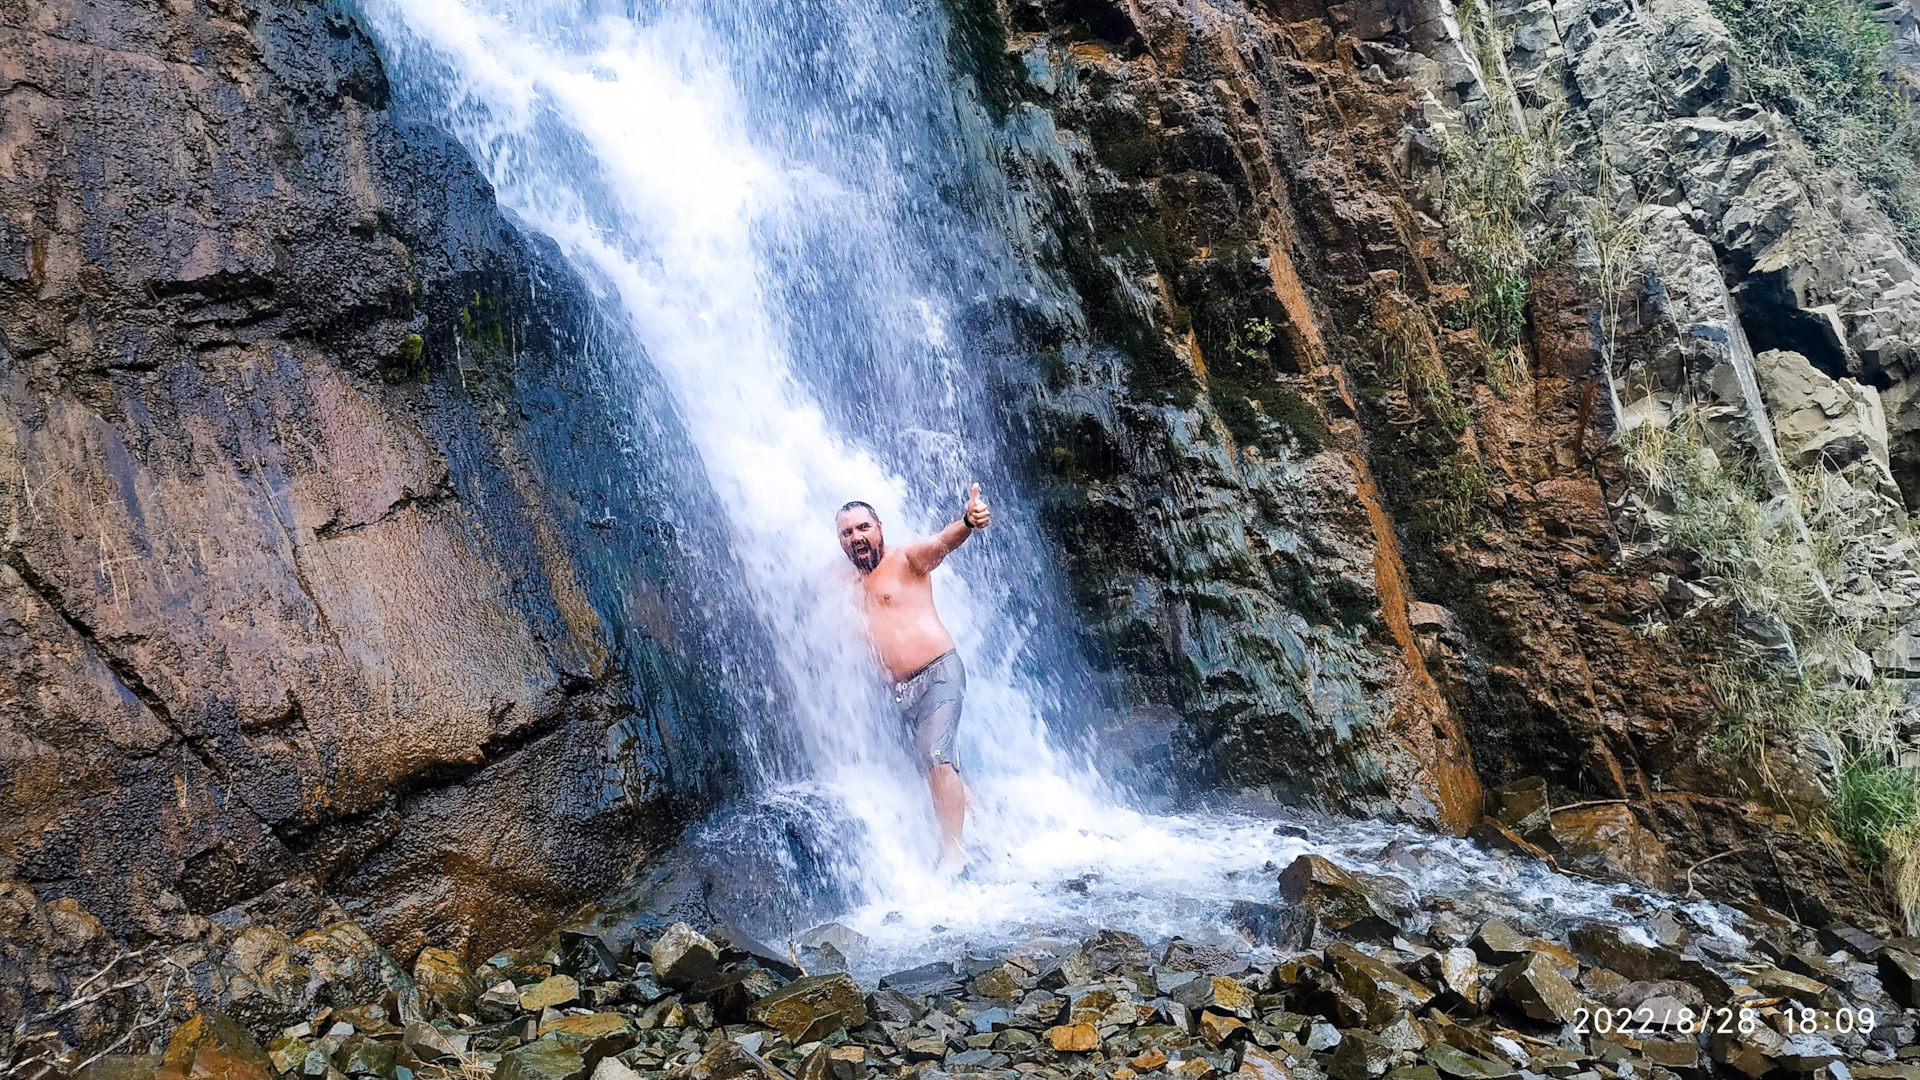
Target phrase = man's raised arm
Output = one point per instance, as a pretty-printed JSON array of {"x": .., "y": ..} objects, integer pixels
[{"x": 925, "y": 555}]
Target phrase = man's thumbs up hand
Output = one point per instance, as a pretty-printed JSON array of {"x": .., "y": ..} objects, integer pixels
[{"x": 978, "y": 516}]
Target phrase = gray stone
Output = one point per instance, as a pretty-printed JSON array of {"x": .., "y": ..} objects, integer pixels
[
  {"x": 1536, "y": 986},
  {"x": 1900, "y": 974},
  {"x": 1464, "y": 1066},
  {"x": 1822, "y": 421},
  {"x": 1336, "y": 899},
  {"x": 683, "y": 956}
]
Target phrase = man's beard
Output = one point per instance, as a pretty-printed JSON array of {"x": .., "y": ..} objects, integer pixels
[{"x": 866, "y": 562}]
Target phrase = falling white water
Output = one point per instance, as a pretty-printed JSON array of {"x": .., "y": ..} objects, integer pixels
[{"x": 758, "y": 186}]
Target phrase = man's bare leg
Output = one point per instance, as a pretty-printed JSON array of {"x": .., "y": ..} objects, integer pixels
[{"x": 950, "y": 806}]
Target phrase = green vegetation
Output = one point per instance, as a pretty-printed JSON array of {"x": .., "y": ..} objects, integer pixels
[
  {"x": 1463, "y": 492},
  {"x": 1773, "y": 555},
  {"x": 483, "y": 326},
  {"x": 1254, "y": 402},
  {"x": 1297, "y": 417},
  {"x": 1769, "y": 543},
  {"x": 1497, "y": 230},
  {"x": 1409, "y": 354},
  {"x": 977, "y": 44},
  {"x": 1821, "y": 62},
  {"x": 408, "y": 364},
  {"x": 1252, "y": 339},
  {"x": 1498, "y": 224},
  {"x": 1875, "y": 806}
]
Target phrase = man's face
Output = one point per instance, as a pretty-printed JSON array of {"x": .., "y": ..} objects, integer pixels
[{"x": 860, "y": 538}]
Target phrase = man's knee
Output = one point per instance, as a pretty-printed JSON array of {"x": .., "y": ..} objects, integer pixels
[{"x": 943, "y": 774}]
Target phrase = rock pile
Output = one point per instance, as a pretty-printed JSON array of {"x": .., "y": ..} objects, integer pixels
[{"x": 1367, "y": 991}]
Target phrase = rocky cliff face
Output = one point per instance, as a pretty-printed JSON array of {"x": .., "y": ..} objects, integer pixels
[
  {"x": 331, "y": 573},
  {"x": 1351, "y": 502},
  {"x": 334, "y": 579}
]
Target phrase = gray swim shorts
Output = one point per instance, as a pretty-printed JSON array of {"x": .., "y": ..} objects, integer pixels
[{"x": 929, "y": 701}]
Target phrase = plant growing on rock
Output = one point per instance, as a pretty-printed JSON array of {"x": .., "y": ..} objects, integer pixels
[
  {"x": 1875, "y": 805},
  {"x": 1495, "y": 225},
  {"x": 1821, "y": 62},
  {"x": 1773, "y": 557}
]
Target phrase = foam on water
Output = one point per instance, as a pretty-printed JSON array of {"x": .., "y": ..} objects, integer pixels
[{"x": 764, "y": 190}]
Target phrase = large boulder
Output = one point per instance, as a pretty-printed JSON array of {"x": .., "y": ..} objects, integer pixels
[
  {"x": 269, "y": 984},
  {"x": 542, "y": 1059},
  {"x": 727, "y": 1060},
  {"x": 445, "y": 980},
  {"x": 1383, "y": 990},
  {"x": 1455, "y": 974},
  {"x": 1336, "y": 899},
  {"x": 1536, "y": 987},
  {"x": 353, "y": 967},
  {"x": 683, "y": 956},
  {"x": 1114, "y": 950},
  {"x": 1611, "y": 947},
  {"x": 732, "y": 993},
  {"x": 549, "y": 993},
  {"x": 1900, "y": 975},
  {"x": 1609, "y": 839},
  {"x": 1822, "y": 421},
  {"x": 1074, "y": 1038}
]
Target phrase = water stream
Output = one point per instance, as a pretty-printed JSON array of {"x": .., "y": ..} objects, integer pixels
[{"x": 764, "y": 190}]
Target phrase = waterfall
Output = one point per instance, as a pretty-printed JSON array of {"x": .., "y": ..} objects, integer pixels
[
  {"x": 765, "y": 191},
  {"x": 758, "y": 187}
]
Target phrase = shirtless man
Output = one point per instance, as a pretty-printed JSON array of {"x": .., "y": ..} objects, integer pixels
[{"x": 928, "y": 679}]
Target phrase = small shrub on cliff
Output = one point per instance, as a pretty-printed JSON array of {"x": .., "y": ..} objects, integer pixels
[
  {"x": 1822, "y": 63},
  {"x": 1496, "y": 228},
  {"x": 1875, "y": 804}
]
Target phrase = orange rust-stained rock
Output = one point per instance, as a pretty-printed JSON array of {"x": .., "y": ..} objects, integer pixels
[
  {"x": 1441, "y": 764},
  {"x": 1611, "y": 838},
  {"x": 1251, "y": 130},
  {"x": 1074, "y": 1038},
  {"x": 212, "y": 1046}
]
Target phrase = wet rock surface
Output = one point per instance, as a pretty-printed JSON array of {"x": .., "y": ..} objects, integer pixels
[
  {"x": 296, "y": 382},
  {"x": 309, "y": 593}
]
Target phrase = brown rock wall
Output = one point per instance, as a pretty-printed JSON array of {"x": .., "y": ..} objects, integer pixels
[
  {"x": 1273, "y": 162},
  {"x": 306, "y": 576}
]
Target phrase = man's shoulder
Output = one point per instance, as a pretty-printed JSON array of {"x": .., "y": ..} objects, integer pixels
[{"x": 897, "y": 560}]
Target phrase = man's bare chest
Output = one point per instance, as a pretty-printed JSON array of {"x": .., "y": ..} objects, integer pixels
[{"x": 895, "y": 590}]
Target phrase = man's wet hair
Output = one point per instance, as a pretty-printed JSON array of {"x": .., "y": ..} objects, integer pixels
[{"x": 868, "y": 507}]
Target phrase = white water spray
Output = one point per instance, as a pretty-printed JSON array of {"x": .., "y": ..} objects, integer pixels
[
  {"x": 758, "y": 198},
  {"x": 758, "y": 187}
]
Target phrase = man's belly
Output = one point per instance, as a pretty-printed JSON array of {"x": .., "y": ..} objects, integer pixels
[{"x": 907, "y": 645}]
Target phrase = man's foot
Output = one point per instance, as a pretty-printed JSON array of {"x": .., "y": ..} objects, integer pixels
[{"x": 953, "y": 861}]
